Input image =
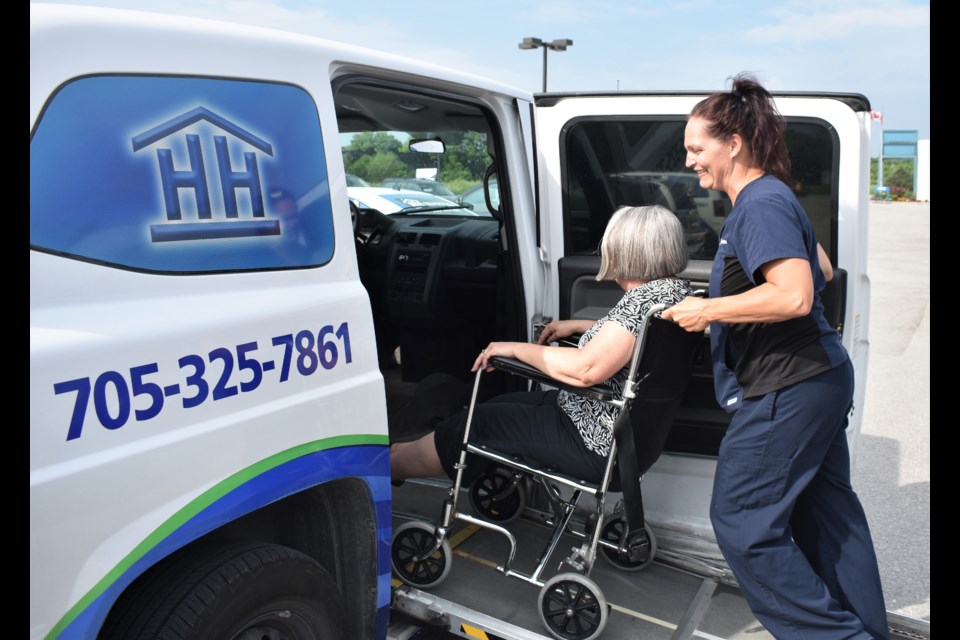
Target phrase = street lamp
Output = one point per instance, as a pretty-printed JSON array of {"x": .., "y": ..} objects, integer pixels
[{"x": 556, "y": 45}]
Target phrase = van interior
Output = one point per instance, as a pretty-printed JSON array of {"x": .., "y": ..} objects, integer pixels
[{"x": 443, "y": 280}]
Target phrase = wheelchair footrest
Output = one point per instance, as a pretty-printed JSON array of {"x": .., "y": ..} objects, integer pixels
[{"x": 638, "y": 546}]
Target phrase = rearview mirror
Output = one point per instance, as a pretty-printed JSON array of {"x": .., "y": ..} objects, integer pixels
[{"x": 427, "y": 145}]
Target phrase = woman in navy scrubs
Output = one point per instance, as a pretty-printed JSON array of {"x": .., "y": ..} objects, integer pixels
[{"x": 783, "y": 509}]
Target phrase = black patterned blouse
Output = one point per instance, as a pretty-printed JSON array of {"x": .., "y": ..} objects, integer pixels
[{"x": 594, "y": 419}]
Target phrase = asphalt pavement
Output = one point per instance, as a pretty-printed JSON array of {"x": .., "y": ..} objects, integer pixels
[{"x": 892, "y": 456}]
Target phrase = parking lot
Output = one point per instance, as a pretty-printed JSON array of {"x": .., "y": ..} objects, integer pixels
[{"x": 892, "y": 460}]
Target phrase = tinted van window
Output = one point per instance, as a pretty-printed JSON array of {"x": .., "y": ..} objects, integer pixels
[{"x": 641, "y": 161}]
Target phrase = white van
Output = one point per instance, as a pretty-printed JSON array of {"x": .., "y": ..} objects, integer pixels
[{"x": 220, "y": 343}]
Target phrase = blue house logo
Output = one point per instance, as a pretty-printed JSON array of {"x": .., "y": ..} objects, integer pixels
[{"x": 194, "y": 177}]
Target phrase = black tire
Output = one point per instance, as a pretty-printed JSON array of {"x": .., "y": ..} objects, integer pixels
[
  {"x": 410, "y": 541},
  {"x": 611, "y": 533},
  {"x": 497, "y": 495},
  {"x": 572, "y": 607},
  {"x": 239, "y": 591}
]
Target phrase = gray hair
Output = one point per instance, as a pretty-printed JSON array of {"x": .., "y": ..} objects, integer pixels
[{"x": 642, "y": 243}]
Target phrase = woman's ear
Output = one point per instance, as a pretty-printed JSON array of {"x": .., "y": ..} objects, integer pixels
[{"x": 736, "y": 145}]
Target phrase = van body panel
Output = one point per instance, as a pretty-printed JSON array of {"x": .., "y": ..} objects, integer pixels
[{"x": 165, "y": 402}]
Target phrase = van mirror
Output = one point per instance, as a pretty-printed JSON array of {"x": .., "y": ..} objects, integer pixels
[
  {"x": 491, "y": 191},
  {"x": 427, "y": 145}
]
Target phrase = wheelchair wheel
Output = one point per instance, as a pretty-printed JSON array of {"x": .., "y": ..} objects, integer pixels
[
  {"x": 411, "y": 540},
  {"x": 611, "y": 532},
  {"x": 572, "y": 607},
  {"x": 497, "y": 496}
]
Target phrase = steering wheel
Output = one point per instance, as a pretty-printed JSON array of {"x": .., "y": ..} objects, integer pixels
[
  {"x": 354, "y": 216},
  {"x": 368, "y": 224}
]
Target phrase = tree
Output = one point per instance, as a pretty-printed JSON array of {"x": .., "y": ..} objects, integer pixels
[
  {"x": 369, "y": 154},
  {"x": 898, "y": 174},
  {"x": 369, "y": 142},
  {"x": 378, "y": 167},
  {"x": 467, "y": 159},
  {"x": 375, "y": 156}
]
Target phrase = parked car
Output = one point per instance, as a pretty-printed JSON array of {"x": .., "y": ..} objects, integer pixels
[
  {"x": 473, "y": 197},
  {"x": 421, "y": 184},
  {"x": 678, "y": 191},
  {"x": 356, "y": 181},
  {"x": 391, "y": 201}
]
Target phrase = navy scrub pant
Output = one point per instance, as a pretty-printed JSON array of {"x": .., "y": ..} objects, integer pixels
[{"x": 787, "y": 519}]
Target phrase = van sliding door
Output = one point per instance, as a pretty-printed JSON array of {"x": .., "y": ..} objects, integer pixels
[{"x": 605, "y": 152}]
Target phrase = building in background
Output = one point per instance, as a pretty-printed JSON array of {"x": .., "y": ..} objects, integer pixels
[{"x": 923, "y": 171}]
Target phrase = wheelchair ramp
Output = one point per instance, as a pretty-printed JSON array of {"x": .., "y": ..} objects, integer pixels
[
  {"x": 476, "y": 601},
  {"x": 457, "y": 620}
]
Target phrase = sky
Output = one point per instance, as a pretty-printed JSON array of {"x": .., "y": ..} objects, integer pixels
[{"x": 878, "y": 48}]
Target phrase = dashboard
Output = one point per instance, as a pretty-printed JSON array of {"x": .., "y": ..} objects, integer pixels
[
  {"x": 432, "y": 282},
  {"x": 421, "y": 265}
]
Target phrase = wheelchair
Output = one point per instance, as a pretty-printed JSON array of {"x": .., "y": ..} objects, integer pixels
[{"x": 571, "y": 605}]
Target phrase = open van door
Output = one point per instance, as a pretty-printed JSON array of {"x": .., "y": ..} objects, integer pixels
[{"x": 596, "y": 152}]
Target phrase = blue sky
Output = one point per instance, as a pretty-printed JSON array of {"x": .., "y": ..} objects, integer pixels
[{"x": 880, "y": 48}]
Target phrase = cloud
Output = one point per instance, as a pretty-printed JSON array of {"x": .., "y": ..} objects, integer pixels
[{"x": 838, "y": 25}]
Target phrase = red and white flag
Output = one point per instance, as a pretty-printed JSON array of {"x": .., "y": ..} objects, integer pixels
[{"x": 877, "y": 115}]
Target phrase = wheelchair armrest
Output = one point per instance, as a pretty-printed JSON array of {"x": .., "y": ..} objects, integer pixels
[{"x": 513, "y": 366}]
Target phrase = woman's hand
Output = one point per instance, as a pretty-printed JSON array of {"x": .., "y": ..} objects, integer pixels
[
  {"x": 505, "y": 349},
  {"x": 560, "y": 329},
  {"x": 688, "y": 313}
]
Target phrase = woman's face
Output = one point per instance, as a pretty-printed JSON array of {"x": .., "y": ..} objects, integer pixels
[{"x": 710, "y": 157}]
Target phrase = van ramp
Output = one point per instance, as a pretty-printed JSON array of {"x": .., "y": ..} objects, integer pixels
[{"x": 664, "y": 601}]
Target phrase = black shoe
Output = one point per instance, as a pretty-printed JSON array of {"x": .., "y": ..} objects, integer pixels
[{"x": 397, "y": 483}]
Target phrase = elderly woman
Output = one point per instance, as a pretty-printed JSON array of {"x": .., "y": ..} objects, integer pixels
[{"x": 643, "y": 249}]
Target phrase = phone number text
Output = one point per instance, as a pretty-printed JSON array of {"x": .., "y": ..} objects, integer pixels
[{"x": 303, "y": 353}]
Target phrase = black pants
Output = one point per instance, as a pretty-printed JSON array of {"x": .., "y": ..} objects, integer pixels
[{"x": 528, "y": 424}]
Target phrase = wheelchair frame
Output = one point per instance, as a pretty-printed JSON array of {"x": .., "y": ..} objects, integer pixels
[{"x": 571, "y": 605}]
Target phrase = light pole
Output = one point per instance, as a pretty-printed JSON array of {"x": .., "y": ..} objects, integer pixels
[{"x": 556, "y": 45}]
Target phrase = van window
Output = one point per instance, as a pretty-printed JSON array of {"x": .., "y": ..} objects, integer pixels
[
  {"x": 377, "y": 124},
  {"x": 180, "y": 175},
  {"x": 433, "y": 266},
  {"x": 641, "y": 161}
]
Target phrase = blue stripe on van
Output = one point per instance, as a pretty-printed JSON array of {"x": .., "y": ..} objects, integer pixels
[{"x": 365, "y": 457}]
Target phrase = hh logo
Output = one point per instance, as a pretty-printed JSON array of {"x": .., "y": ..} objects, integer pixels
[{"x": 194, "y": 178}]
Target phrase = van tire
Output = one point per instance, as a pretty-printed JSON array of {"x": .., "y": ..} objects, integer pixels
[{"x": 238, "y": 591}]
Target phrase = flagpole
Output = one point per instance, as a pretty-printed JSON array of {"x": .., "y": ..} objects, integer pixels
[{"x": 880, "y": 161}]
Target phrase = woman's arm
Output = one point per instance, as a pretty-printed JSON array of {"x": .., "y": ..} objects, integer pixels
[
  {"x": 560, "y": 329},
  {"x": 825, "y": 264},
  {"x": 786, "y": 293},
  {"x": 608, "y": 352}
]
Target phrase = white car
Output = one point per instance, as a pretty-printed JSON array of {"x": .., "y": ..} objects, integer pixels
[
  {"x": 356, "y": 181},
  {"x": 391, "y": 201}
]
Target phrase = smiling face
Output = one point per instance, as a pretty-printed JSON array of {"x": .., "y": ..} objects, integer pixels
[{"x": 709, "y": 157}]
